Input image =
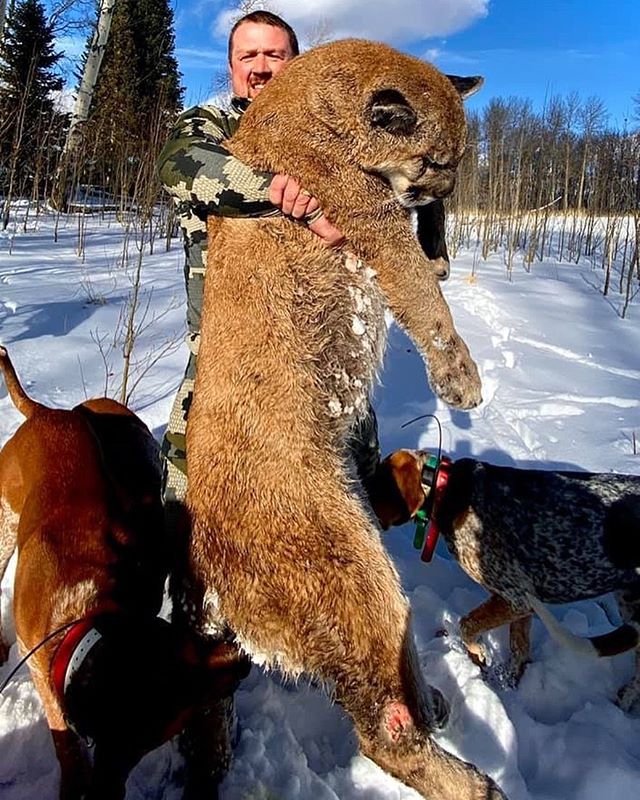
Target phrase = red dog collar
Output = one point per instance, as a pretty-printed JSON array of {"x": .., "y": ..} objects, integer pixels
[
  {"x": 71, "y": 653},
  {"x": 425, "y": 519}
]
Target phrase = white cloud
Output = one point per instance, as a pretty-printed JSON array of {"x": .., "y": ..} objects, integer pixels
[
  {"x": 432, "y": 54},
  {"x": 393, "y": 21},
  {"x": 71, "y": 46},
  {"x": 64, "y": 100}
]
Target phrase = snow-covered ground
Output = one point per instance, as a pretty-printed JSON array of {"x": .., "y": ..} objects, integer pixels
[{"x": 561, "y": 375}]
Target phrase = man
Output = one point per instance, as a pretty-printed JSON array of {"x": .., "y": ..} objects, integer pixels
[{"x": 205, "y": 179}]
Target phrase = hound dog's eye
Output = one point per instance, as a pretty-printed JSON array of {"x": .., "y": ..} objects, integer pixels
[{"x": 390, "y": 110}]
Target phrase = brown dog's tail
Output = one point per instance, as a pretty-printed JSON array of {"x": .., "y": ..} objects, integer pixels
[
  {"x": 624, "y": 638},
  {"x": 21, "y": 399}
]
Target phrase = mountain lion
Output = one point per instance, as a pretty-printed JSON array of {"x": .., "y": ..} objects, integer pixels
[{"x": 284, "y": 545}]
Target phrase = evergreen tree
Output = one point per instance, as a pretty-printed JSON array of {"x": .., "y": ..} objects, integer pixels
[
  {"x": 27, "y": 80},
  {"x": 28, "y": 58},
  {"x": 152, "y": 26},
  {"x": 114, "y": 111},
  {"x": 138, "y": 92}
]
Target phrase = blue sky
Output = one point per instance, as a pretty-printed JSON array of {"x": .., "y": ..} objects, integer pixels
[{"x": 523, "y": 48}]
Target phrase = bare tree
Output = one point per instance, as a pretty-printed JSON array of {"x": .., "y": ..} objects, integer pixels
[
  {"x": 16, "y": 147},
  {"x": 592, "y": 118},
  {"x": 90, "y": 74},
  {"x": 636, "y": 107},
  {"x": 84, "y": 96},
  {"x": 70, "y": 16},
  {"x": 320, "y": 32}
]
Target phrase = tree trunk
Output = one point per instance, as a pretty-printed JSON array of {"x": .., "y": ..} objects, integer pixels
[
  {"x": 3, "y": 17},
  {"x": 85, "y": 94},
  {"x": 90, "y": 73},
  {"x": 583, "y": 173}
]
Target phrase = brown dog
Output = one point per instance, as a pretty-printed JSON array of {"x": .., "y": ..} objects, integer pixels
[{"x": 80, "y": 497}]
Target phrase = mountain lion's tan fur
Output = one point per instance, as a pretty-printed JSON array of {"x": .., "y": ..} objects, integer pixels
[{"x": 284, "y": 546}]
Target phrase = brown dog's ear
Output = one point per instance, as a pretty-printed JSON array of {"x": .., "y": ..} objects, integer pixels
[
  {"x": 389, "y": 109},
  {"x": 466, "y": 86}
]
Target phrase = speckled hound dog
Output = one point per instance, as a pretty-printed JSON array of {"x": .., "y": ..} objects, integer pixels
[{"x": 532, "y": 537}]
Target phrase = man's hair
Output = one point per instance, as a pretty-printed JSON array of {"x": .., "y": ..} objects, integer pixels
[{"x": 266, "y": 18}]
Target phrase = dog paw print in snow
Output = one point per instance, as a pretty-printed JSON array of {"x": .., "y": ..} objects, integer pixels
[{"x": 9, "y": 305}]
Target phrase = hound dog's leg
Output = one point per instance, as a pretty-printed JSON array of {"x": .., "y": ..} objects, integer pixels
[
  {"x": 629, "y": 604},
  {"x": 491, "y": 614},
  {"x": 520, "y": 645}
]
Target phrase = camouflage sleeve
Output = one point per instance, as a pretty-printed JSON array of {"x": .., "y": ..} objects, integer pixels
[{"x": 196, "y": 169}]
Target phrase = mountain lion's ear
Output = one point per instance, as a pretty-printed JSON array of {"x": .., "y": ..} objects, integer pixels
[
  {"x": 466, "y": 86},
  {"x": 389, "y": 109}
]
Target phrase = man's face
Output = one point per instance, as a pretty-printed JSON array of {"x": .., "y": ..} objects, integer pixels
[{"x": 258, "y": 53}]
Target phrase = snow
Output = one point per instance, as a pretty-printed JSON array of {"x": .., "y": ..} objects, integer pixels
[{"x": 561, "y": 381}]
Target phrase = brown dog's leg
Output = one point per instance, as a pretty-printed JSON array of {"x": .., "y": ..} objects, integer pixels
[
  {"x": 206, "y": 746},
  {"x": 205, "y": 740},
  {"x": 111, "y": 768},
  {"x": 491, "y": 614},
  {"x": 70, "y": 751},
  {"x": 7, "y": 546}
]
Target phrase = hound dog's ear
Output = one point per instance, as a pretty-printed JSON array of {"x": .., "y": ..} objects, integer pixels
[{"x": 396, "y": 491}]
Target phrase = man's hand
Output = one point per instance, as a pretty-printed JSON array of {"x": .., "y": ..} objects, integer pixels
[
  {"x": 286, "y": 194},
  {"x": 294, "y": 201}
]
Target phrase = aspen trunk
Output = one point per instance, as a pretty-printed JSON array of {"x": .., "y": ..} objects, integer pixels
[
  {"x": 90, "y": 74},
  {"x": 84, "y": 97},
  {"x": 3, "y": 17}
]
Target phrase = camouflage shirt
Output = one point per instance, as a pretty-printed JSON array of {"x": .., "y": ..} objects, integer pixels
[{"x": 204, "y": 178}]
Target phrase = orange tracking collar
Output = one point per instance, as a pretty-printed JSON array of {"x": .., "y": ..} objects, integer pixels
[{"x": 71, "y": 653}]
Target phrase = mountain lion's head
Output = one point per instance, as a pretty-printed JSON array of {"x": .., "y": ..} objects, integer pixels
[{"x": 354, "y": 103}]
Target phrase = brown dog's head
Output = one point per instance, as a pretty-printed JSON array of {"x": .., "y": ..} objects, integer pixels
[{"x": 143, "y": 678}]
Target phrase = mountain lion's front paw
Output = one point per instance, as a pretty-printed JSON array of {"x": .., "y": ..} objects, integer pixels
[{"x": 454, "y": 375}]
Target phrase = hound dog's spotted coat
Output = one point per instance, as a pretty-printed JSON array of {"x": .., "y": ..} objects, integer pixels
[{"x": 531, "y": 537}]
